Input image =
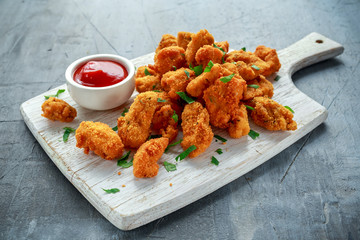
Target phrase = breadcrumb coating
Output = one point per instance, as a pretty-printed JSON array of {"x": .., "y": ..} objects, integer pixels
[{"x": 58, "y": 110}]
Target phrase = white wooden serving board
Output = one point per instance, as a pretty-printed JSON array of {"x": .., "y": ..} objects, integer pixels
[{"x": 144, "y": 200}]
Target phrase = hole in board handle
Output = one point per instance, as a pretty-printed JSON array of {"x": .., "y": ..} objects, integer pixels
[{"x": 319, "y": 41}]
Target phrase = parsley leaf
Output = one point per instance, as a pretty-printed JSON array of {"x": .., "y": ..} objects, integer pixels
[
  {"x": 227, "y": 78},
  {"x": 214, "y": 161},
  {"x": 185, "y": 97},
  {"x": 218, "y": 48},
  {"x": 115, "y": 128},
  {"x": 220, "y": 138},
  {"x": 253, "y": 86},
  {"x": 277, "y": 78},
  {"x": 156, "y": 90},
  {"x": 147, "y": 73},
  {"x": 198, "y": 69},
  {"x": 175, "y": 117},
  {"x": 187, "y": 74},
  {"x": 169, "y": 166},
  {"x": 248, "y": 107},
  {"x": 56, "y": 95},
  {"x": 67, "y": 132},
  {"x": 219, "y": 151},
  {"x": 244, "y": 49},
  {"x": 173, "y": 144},
  {"x": 124, "y": 163},
  {"x": 289, "y": 108},
  {"x": 161, "y": 100},
  {"x": 123, "y": 158},
  {"x": 255, "y": 67},
  {"x": 253, "y": 134},
  {"x": 125, "y": 111},
  {"x": 174, "y": 68},
  {"x": 113, "y": 190},
  {"x": 185, "y": 153},
  {"x": 155, "y": 136},
  {"x": 209, "y": 66}
]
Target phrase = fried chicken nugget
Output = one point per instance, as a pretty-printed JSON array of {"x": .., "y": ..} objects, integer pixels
[
  {"x": 141, "y": 71},
  {"x": 183, "y": 39},
  {"x": 165, "y": 123},
  {"x": 203, "y": 37},
  {"x": 148, "y": 83},
  {"x": 100, "y": 138},
  {"x": 197, "y": 86},
  {"x": 253, "y": 61},
  {"x": 207, "y": 53},
  {"x": 270, "y": 56},
  {"x": 224, "y": 45},
  {"x": 57, "y": 109},
  {"x": 196, "y": 128},
  {"x": 245, "y": 71},
  {"x": 176, "y": 81},
  {"x": 168, "y": 58},
  {"x": 146, "y": 157},
  {"x": 134, "y": 127},
  {"x": 167, "y": 40},
  {"x": 271, "y": 115},
  {"x": 265, "y": 89},
  {"x": 239, "y": 124}
]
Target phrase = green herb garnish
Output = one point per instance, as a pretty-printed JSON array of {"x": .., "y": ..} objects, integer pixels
[
  {"x": 169, "y": 166},
  {"x": 173, "y": 144},
  {"x": 227, "y": 78},
  {"x": 125, "y": 111},
  {"x": 185, "y": 153},
  {"x": 209, "y": 66},
  {"x": 187, "y": 74},
  {"x": 277, "y": 78},
  {"x": 214, "y": 161},
  {"x": 222, "y": 59},
  {"x": 156, "y": 90},
  {"x": 155, "y": 136},
  {"x": 219, "y": 151},
  {"x": 175, "y": 117},
  {"x": 255, "y": 67},
  {"x": 161, "y": 100},
  {"x": 248, "y": 107},
  {"x": 147, "y": 73},
  {"x": 115, "y": 128},
  {"x": 185, "y": 97},
  {"x": 253, "y": 86},
  {"x": 174, "y": 68},
  {"x": 198, "y": 69},
  {"x": 67, "y": 132},
  {"x": 56, "y": 95},
  {"x": 220, "y": 138},
  {"x": 253, "y": 134},
  {"x": 123, "y": 159},
  {"x": 124, "y": 163},
  {"x": 244, "y": 49},
  {"x": 113, "y": 190},
  {"x": 289, "y": 108}
]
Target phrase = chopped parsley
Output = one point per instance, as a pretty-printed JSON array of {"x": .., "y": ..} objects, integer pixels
[
  {"x": 125, "y": 111},
  {"x": 185, "y": 97},
  {"x": 147, "y": 73},
  {"x": 227, "y": 78},
  {"x": 253, "y": 134},
  {"x": 289, "y": 108},
  {"x": 219, "y": 151},
  {"x": 155, "y": 136},
  {"x": 277, "y": 78},
  {"x": 248, "y": 107},
  {"x": 255, "y": 67},
  {"x": 209, "y": 66},
  {"x": 170, "y": 167},
  {"x": 244, "y": 49},
  {"x": 173, "y": 144},
  {"x": 174, "y": 68},
  {"x": 56, "y": 95},
  {"x": 125, "y": 164},
  {"x": 115, "y": 128},
  {"x": 187, "y": 74},
  {"x": 175, "y": 117},
  {"x": 123, "y": 159},
  {"x": 161, "y": 100},
  {"x": 198, "y": 69},
  {"x": 113, "y": 190},
  {"x": 67, "y": 132},
  {"x": 220, "y": 138},
  {"x": 253, "y": 86},
  {"x": 221, "y": 49},
  {"x": 156, "y": 90},
  {"x": 214, "y": 161},
  {"x": 185, "y": 153}
]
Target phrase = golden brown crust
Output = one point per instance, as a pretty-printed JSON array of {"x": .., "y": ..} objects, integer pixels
[
  {"x": 270, "y": 56},
  {"x": 100, "y": 138},
  {"x": 183, "y": 39},
  {"x": 146, "y": 157},
  {"x": 58, "y": 110},
  {"x": 207, "y": 53},
  {"x": 167, "y": 40},
  {"x": 176, "y": 81},
  {"x": 164, "y": 123},
  {"x": 266, "y": 89},
  {"x": 203, "y": 37},
  {"x": 168, "y": 58},
  {"x": 224, "y": 45},
  {"x": 239, "y": 125},
  {"x": 196, "y": 128},
  {"x": 148, "y": 83}
]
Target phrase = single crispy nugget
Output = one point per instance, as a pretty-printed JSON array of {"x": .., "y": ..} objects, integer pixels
[
  {"x": 239, "y": 124},
  {"x": 168, "y": 58},
  {"x": 134, "y": 127},
  {"x": 146, "y": 157},
  {"x": 183, "y": 39},
  {"x": 271, "y": 115},
  {"x": 253, "y": 61},
  {"x": 230, "y": 67},
  {"x": 207, "y": 53},
  {"x": 166, "y": 121},
  {"x": 141, "y": 72},
  {"x": 270, "y": 56},
  {"x": 203, "y": 37},
  {"x": 196, "y": 128},
  {"x": 224, "y": 45},
  {"x": 197, "y": 86},
  {"x": 148, "y": 83},
  {"x": 176, "y": 81},
  {"x": 266, "y": 89},
  {"x": 57, "y": 109},
  {"x": 100, "y": 138},
  {"x": 167, "y": 40},
  {"x": 245, "y": 71}
]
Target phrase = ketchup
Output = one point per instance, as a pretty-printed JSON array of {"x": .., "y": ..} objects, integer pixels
[{"x": 100, "y": 73}]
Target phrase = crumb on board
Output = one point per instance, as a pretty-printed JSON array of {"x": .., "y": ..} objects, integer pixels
[
  {"x": 119, "y": 173},
  {"x": 170, "y": 184},
  {"x": 123, "y": 185},
  {"x": 224, "y": 143}
]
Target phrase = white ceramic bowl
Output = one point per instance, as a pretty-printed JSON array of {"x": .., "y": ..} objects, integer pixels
[{"x": 101, "y": 98}]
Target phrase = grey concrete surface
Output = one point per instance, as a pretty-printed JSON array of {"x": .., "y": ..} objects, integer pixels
[{"x": 309, "y": 191}]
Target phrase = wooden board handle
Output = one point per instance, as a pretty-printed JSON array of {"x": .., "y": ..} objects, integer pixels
[{"x": 311, "y": 49}]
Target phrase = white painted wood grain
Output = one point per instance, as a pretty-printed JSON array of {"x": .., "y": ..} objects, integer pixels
[{"x": 144, "y": 200}]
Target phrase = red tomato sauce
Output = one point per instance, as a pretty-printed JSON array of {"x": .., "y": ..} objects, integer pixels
[{"x": 100, "y": 73}]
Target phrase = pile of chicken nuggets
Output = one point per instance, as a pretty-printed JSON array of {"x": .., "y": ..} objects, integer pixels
[{"x": 222, "y": 86}]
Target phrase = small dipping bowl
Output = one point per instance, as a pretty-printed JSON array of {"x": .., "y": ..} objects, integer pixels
[{"x": 101, "y": 98}]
